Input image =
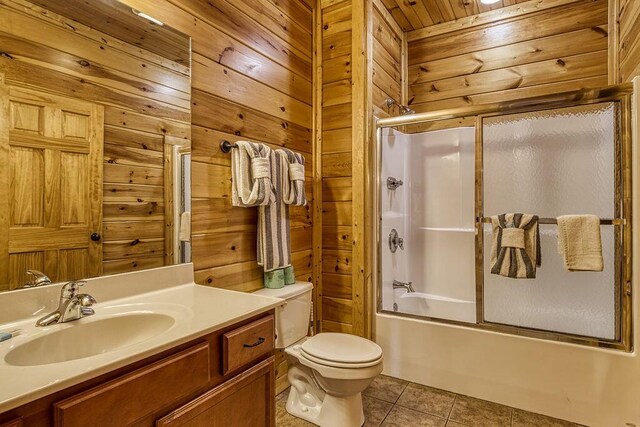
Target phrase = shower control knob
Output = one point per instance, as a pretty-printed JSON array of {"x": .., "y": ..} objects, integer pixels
[
  {"x": 393, "y": 183},
  {"x": 395, "y": 241}
]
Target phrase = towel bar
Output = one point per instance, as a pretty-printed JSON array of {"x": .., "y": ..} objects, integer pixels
[
  {"x": 226, "y": 146},
  {"x": 615, "y": 221}
]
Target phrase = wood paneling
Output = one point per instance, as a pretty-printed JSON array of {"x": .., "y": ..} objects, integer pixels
[
  {"x": 252, "y": 79},
  {"x": 387, "y": 77},
  {"x": 422, "y": 14},
  {"x": 336, "y": 136},
  {"x": 629, "y": 39},
  {"x": 145, "y": 97},
  {"x": 553, "y": 49}
]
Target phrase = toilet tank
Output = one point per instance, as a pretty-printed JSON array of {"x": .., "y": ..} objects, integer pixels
[{"x": 292, "y": 319}]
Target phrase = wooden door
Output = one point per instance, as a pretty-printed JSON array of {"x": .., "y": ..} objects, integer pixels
[{"x": 50, "y": 186}]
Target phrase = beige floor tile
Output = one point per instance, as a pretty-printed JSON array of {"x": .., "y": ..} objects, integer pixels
[
  {"x": 455, "y": 424},
  {"x": 529, "y": 419},
  {"x": 480, "y": 413},
  {"x": 375, "y": 410},
  {"x": 386, "y": 388},
  {"x": 405, "y": 417},
  {"x": 427, "y": 399}
]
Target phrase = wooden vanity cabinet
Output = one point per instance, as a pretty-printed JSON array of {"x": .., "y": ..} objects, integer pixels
[{"x": 226, "y": 378}]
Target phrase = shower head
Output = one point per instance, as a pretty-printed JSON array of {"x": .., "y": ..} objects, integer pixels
[{"x": 404, "y": 110}]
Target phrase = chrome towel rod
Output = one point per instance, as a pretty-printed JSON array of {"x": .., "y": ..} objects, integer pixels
[
  {"x": 615, "y": 221},
  {"x": 226, "y": 146}
]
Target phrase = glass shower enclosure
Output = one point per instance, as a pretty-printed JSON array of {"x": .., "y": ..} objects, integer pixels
[{"x": 549, "y": 156}]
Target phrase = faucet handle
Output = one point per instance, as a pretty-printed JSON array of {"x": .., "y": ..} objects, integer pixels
[
  {"x": 85, "y": 300},
  {"x": 39, "y": 279},
  {"x": 70, "y": 289}
]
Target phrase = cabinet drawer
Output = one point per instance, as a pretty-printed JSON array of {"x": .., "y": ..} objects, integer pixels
[
  {"x": 246, "y": 400},
  {"x": 247, "y": 343},
  {"x": 139, "y": 393},
  {"x": 13, "y": 423}
]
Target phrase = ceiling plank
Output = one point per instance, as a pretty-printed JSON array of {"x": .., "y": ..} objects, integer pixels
[{"x": 485, "y": 18}]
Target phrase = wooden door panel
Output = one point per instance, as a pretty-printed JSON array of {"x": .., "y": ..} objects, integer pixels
[
  {"x": 27, "y": 117},
  {"x": 75, "y": 174},
  {"x": 19, "y": 263},
  {"x": 75, "y": 125},
  {"x": 73, "y": 264},
  {"x": 26, "y": 187},
  {"x": 54, "y": 147}
]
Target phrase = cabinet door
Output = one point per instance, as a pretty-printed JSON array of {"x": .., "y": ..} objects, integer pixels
[
  {"x": 138, "y": 394},
  {"x": 247, "y": 400}
]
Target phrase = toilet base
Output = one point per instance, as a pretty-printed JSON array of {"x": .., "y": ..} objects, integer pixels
[{"x": 331, "y": 412}]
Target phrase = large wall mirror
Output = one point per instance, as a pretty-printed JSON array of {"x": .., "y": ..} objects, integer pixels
[{"x": 94, "y": 141}]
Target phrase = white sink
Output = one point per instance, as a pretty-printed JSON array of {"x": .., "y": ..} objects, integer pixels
[{"x": 89, "y": 337}]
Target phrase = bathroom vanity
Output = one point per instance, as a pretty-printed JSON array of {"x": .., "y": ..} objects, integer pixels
[{"x": 184, "y": 355}]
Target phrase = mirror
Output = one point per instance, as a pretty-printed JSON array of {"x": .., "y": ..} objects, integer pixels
[{"x": 95, "y": 129}]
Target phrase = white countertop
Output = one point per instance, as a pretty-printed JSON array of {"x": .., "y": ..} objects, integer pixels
[{"x": 198, "y": 310}]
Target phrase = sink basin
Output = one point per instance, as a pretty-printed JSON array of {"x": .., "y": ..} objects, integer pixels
[{"x": 89, "y": 337}]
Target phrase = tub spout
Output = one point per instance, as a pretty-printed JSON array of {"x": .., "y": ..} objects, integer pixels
[{"x": 403, "y": 285}]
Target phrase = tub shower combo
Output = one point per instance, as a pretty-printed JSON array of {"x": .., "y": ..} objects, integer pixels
[{"x": 438, "y": 186}]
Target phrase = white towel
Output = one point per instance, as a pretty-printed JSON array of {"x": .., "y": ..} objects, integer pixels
[
  {"x": 292, "y": 171},
  {"x": 251, "y": 175},
  {"x": 579, "y": 242},
  {"x": 185, "y": 227}
]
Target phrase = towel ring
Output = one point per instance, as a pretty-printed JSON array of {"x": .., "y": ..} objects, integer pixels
[{"x": 226, "y": 146}]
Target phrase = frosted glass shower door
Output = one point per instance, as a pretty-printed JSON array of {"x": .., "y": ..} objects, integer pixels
[{"x": 553, "y": 163}]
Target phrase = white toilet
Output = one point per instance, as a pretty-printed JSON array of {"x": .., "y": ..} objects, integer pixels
[{"x": 328, "y": 371}]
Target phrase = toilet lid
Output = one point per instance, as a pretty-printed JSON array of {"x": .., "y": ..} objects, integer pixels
[{"x": 341, "y": 348}]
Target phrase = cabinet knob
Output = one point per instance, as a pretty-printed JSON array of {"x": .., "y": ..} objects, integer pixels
[{"x": 95, "y": 237}]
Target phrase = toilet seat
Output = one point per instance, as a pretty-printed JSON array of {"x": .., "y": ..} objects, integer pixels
[{"x": 341, "y": 351}]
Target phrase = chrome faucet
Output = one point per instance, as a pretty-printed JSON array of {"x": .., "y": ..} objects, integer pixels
[
  {"x": 393, "y": 183},
  {"x": 402, "y": 285},
  {"x": 39, "y": 279},
  {"x": 72, "y": 305}
]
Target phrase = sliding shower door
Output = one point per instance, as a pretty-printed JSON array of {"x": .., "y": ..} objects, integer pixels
[{"x": 551, "y": 163}]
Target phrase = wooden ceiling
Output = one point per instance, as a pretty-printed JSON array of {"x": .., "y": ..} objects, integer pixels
[{"x": 416, "y": 14}]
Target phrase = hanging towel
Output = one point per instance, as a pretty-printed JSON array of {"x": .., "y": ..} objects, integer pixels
[
  {"x": 274, "y": 235},
  {"x": 251, "y": 175},
  {"x": 515, "y": 251},
  {"x": 185, "y": 227},
  {"x": 579, "y": 242},
  {"x": 293, "y": 177}
]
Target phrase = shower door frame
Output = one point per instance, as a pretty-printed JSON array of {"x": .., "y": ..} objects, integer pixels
[{"x": 618, "y": 94}]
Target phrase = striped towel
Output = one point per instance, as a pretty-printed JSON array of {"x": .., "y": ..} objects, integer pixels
[
  {"x": 251, "y": 172},
  {"x": 292, "y": 170},
  {"x": 274, "y": 234},
  {"x": 515, "y": 251}
]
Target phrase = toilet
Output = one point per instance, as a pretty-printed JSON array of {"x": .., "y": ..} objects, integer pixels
[{"x": 328, "y": 371}]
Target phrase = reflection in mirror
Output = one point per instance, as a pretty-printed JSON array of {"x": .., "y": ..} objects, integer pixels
[{"x": 94, "y": 141}]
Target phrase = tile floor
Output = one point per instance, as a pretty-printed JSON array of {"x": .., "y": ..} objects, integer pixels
[{"x": 390, "y": 402}]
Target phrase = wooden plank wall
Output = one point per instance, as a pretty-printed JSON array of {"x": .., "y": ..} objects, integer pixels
[
  {"x": 146, "y": 97},
  {"x": 251, "y": 79},
  {"x": 629, "y": 39},
  {"x": 353, "y": 89},
  {"x": 337, "y": 66},
  {"x": 388, "y": 62},
  {"x": 548, "y": 51}
]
